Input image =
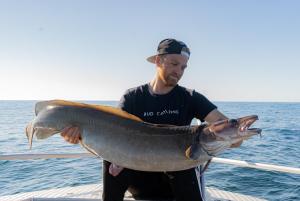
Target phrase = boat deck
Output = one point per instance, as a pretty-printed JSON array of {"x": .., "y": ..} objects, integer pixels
[{"x": 92, "y": 192}]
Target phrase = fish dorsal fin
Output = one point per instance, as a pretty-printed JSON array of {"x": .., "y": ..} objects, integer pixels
[{"x": 112, "y": 110}]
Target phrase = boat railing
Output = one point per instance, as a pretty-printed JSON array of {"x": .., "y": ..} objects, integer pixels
[{"x": 261, "y": 166}]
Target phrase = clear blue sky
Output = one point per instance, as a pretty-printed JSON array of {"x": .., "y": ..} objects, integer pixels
[{"x": 95, "y": 50}]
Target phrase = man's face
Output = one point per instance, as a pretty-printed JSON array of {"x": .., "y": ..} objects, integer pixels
[{"x": 171, "y": 68}]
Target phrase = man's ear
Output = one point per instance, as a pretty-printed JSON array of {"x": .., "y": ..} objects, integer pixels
[{"x": 158, "y": 60}]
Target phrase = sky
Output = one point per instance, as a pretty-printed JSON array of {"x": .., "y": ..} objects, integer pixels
[{"x": 95, "y": 50}]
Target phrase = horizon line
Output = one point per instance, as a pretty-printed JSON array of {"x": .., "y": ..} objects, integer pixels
[{"x": 109, "y": 100}]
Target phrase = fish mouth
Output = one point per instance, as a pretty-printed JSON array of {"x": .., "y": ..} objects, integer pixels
[{"x": 245, "y": 123}]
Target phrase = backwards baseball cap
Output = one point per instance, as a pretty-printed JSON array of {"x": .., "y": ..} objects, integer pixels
[{"x": 170, "y": 46}]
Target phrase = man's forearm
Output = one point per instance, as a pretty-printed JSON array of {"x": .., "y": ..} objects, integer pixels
[{"x": 214, "y": 116}]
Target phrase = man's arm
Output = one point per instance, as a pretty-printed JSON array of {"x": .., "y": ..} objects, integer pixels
[{"x": 216, "y": 115}]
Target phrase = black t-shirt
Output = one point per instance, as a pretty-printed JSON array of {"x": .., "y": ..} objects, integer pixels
[{"x": 178, "y": 107}]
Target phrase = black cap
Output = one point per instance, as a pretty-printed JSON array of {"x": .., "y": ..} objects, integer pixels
[{"x": 170, "y": 46}]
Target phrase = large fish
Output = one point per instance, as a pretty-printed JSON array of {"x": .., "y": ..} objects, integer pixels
[{"x": 126, "y": 140}]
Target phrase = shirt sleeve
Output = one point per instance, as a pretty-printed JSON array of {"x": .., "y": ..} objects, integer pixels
[
  {"x": 125, "y": 102},
  {"x": 202, "y": 106}
]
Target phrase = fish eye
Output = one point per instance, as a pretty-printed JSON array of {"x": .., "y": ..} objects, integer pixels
[{"x": 233, "y": 122}]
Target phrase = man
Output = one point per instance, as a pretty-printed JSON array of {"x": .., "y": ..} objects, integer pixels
[{"x": 162, "y": 101}]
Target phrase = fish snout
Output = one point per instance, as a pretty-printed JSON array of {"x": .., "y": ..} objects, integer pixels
[
  {"x": 244, "y": 130},
  {"x": 244, "y": 123},
  {"x": 235, "y": 128}
]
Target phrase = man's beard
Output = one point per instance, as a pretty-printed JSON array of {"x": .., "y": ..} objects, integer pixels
[{"x": 171, "y": 80}]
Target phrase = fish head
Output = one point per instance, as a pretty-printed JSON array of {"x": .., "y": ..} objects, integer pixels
[
  {"x": 233, "y": 130},
  {"x": 218, "y": 136}
]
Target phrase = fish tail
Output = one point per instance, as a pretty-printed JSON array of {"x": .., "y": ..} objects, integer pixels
[{"x": 29, "y": 133}]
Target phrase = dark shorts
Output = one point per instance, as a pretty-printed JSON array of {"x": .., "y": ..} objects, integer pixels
[{"x": 179, "y": 185}]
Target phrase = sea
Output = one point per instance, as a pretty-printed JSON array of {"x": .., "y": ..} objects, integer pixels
[{"x": 278, "y": 145}]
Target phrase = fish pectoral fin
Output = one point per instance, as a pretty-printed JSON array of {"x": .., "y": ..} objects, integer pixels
[
  {"x": 193, "y": 152},
  {"x": 88, "y": 148}
]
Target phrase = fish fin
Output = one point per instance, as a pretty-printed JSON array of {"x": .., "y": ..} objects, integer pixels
[
  {"x": 112, "y": 110},
  {"x": 117, "y": 112},
  {"x": 193, "y": 151},
  {"x": 88, "y": 149},
  {"x": 29, "y": 133},
  {"x": 43, "y": 133},
  {"x": 40, "y": 133}
]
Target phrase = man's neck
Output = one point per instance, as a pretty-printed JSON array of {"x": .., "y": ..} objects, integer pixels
[{"x": 158, "y": 87}]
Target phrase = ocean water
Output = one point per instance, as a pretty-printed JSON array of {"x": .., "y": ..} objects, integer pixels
[{"x": 279, "y": 145}]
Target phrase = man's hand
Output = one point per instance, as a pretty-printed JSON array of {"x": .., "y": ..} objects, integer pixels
[
  {"x": 71, "y": 134},
  {"x": 115, "y": 170}
]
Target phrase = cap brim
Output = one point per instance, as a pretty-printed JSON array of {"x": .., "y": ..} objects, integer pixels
[{"x": 152, "y": 59}]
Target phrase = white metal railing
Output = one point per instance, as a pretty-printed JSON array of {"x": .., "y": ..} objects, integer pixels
[
  {"x": 43, "y": 156},
  {"x": 261, "y": 166},
  {"x": 267, "y": 167}
]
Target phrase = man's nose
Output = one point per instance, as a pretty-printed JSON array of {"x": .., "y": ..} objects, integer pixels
[{"x": 179, "y": 70}]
